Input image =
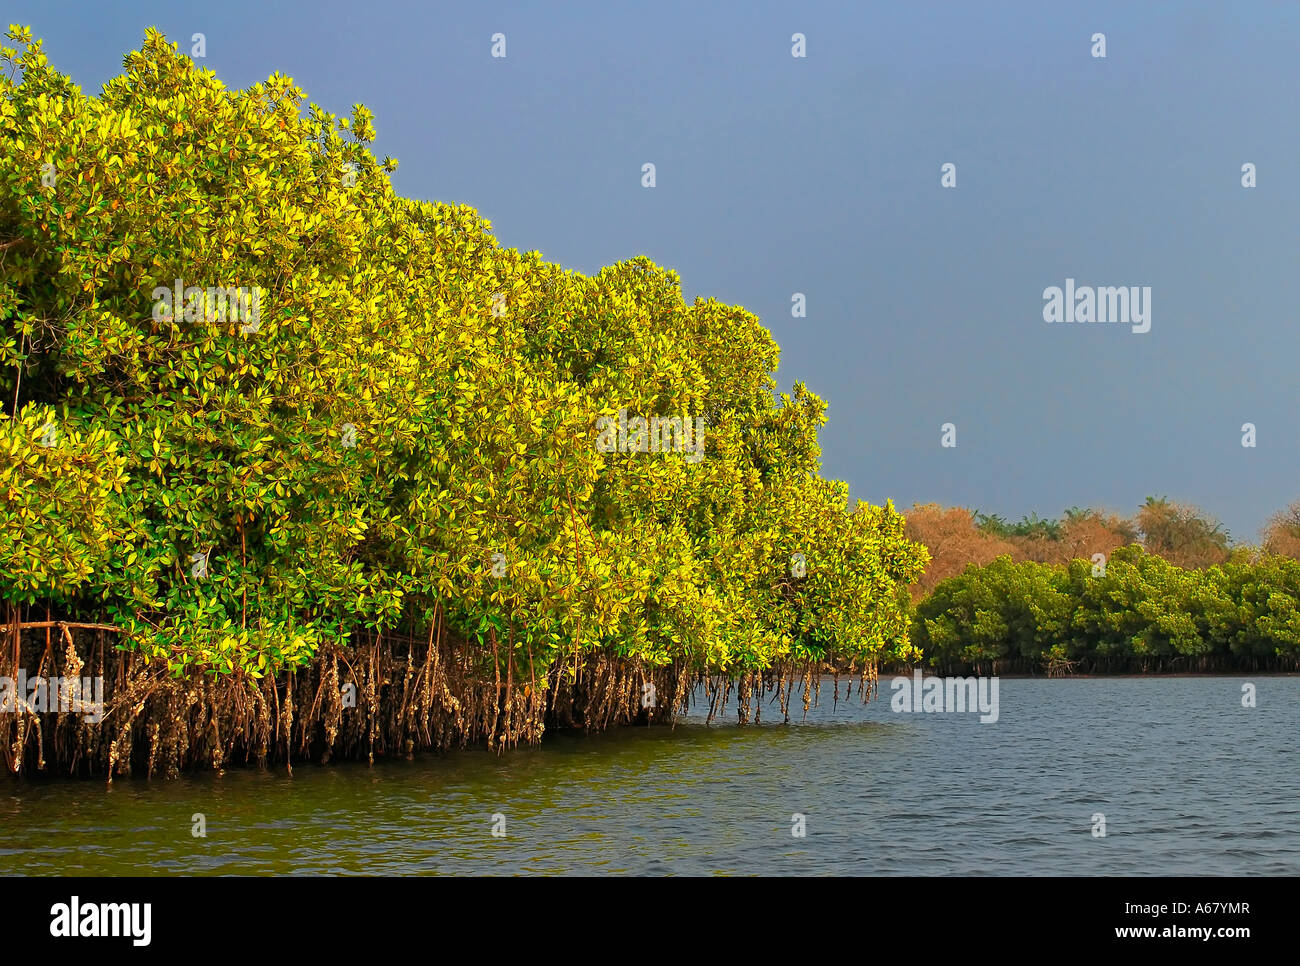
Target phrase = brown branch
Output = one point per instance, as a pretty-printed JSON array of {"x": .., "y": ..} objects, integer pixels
[{"x": 36, "y": 625}]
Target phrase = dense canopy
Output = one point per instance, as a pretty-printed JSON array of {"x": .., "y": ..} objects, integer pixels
[
  {"x": 256, "y": 403},
  {"x": 1134, "y": 611}
]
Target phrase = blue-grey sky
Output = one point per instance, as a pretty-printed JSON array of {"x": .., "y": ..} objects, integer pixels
[{"x": 821, "y": 175}]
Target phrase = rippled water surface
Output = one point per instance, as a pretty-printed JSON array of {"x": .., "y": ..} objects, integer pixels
[{"x": 1189, "y": 781}]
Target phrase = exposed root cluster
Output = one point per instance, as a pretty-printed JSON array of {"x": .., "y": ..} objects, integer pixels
[{"x": 389, "y": 696}]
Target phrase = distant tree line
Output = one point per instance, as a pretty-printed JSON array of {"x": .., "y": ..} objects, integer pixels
[{"x": 1093, "y": 592}]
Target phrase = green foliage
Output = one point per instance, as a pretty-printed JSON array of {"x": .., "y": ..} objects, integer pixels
[
  {"x": 1141, "y": 611},
  {"x": 1031, "y": 526},
  {"x": 408, "y": 432}
]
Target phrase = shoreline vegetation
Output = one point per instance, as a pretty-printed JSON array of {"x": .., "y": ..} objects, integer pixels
[
  {"x": 304, "y": 470},
  {"x": 321, "y": 466},
  {"x": 1094, "y": 593}
]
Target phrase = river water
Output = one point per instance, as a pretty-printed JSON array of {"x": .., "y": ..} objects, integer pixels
[{"x": 1188, "y": 781}]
